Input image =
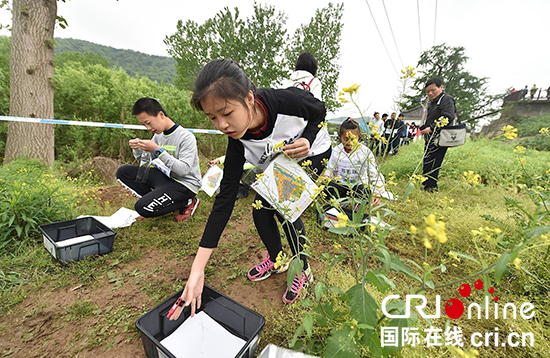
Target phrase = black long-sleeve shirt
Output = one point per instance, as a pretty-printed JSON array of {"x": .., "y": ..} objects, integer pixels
[
  {"x": 290, "y": 114},
  {"x": 446, "y": 108}
]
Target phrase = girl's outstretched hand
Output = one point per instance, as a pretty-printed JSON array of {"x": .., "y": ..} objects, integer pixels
[{"x": 191, "y": 294}]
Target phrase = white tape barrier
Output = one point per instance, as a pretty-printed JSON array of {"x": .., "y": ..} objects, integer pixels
[{"x": 94, "y": 124}]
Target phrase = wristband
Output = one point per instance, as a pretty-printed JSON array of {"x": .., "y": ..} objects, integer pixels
[{"x": 158, "y": 152}]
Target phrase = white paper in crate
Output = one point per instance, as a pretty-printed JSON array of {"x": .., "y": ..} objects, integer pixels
[
  {"x": 122, "y": 218},
  {"x": 211, "y": 180},
  {"x": 202, "y": 337},
  {"x": 286, "y": 186}
]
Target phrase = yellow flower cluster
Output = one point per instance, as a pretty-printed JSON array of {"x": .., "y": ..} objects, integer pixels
[
  {"x": 260, "y": 176},
  {"x": 417, "y": 179},
  {"x": 472, "y": 178},
  {"x": 319, "y": 191},
  {"x": 442, "y": 121},
  {"x": 436, "y": 228},
  {"x": 519, "y": 149},
  {"x": 281, "y": 260},
  {"x": 544, "y": 130},
  {"x": 453, "y": 255},
  {"x": 516, "y": 262},
  {"x": 351, "y": 89},
  {"x": 279, "y": 147},
  {"x": 306, "y": 163},
  {"x": 322, "y": 125},
  {"x": 486, "y": 232},
  {"x": 446, "y": 200},
  {"x": 342, "y": 220},
  {"x": 352, "y": 139},
  {"x": 257, "y": 204},
  {"x": 510, "y": 132},
  {"x": 408, "y": 72},
  {"x": 376, "y": 135}
]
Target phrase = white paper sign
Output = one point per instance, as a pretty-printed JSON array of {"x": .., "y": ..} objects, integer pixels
[
  {"x": 286, "y": 186},
  {"x": 202, "y": 337},
  {"x": 161, "y": 166},
  {"x": 211, "y": 180}
]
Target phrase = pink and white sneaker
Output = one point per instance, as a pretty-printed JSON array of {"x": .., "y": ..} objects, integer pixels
[
  {"x": 299, "y": 284},
  {"x": 264, "y": 269}
]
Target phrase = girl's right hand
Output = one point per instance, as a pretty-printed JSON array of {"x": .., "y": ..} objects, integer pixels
[
  {"x": 213, "y": 162},
  {"x": 192, "y": 293}
]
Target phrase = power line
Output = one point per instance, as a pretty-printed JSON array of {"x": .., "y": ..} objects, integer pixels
[
  {"x": 391, "y": 29},
  {"x": 381, "y": 38},
  {"x": 435, "y": 20},
  {"x": 419, "y": 33}
]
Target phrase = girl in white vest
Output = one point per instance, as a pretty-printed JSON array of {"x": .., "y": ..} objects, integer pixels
[{"x": 254, "y": 120}]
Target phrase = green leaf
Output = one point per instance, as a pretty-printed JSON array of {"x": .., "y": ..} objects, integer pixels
[
  {"x": 295, "y": 337},
  {"x": 500, "y": 266},
  {"x": 295, "y": 268},
  {"x": 308, "y": 325},
  {"x": 408, "y": 191},
  {"x": 537, "y": 231},
  {"x": 398, "y": 265},
  {"x": 380, "y": 280},
  {"x": 319, "y": 290},
  {"x": 363, "y": 308},
  {"x": 341, "y": 344}
]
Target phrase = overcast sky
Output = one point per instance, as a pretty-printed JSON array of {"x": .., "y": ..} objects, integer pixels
[{"x": 506, "y": 40}]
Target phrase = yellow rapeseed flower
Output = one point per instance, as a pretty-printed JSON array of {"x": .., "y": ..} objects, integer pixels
[
  {"x": 352, "y": 89},
  {"x": 260, "y": 176},
  {"x": 257, "y": 204},
  {"x": 442, "y": 121},
  {"x": 306, "y": 163},
  {"x": 519, "y": 149},
  {"x": 427, "y": 243},
  {"x": 510, "y": 132},
  {"x": 517, "y": 261},
  {"x": 544, "y": 130},
  {"x": 342, "y": 220},
  {"x": 413, "y": 229}
]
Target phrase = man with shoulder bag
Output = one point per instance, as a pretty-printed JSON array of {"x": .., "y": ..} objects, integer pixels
[{"x": 441, "y": 115}]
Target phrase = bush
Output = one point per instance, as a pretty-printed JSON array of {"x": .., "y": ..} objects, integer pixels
[{"x": 32, "y": 195}]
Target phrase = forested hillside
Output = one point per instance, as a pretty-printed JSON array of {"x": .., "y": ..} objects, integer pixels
[{"x": 156, "y": 68}]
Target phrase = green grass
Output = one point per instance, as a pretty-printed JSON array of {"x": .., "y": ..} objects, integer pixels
[{"x": 29, "y": 271}]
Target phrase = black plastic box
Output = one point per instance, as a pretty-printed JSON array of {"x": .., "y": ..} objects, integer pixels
[
  {"x": 100, "y": 240},
  {"x": 236, "y": 318}
]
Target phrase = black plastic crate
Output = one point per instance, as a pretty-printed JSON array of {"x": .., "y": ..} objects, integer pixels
[
  {"x": 236, "y": 318},
  {"x": 96, "y": 238}
]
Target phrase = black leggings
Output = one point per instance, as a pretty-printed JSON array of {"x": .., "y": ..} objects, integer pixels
[
  {"x": 159, "y": 195},
  {"x": 265, "y": 222}
]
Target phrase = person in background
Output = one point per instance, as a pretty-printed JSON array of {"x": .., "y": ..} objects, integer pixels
[
  {"x": 441, "y": 105},
  {"x": 354, "y": 166},
  {"x": 304, "y": 75},
  {"x": 175, "y": 185},
  {"x": 534, "y": 91}
]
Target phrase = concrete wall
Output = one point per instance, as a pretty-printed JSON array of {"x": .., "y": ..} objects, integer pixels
[{"x": 526, "y": 108}]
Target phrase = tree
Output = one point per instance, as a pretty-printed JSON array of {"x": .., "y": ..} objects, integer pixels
[
  {"x": 266, "y": 59},
  {"x": 448, "y": 64},
  {"x": 227, "y": 35},
  {"x": 31, "y": 71},
  {"x": 321, "y": 37}
]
